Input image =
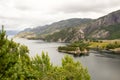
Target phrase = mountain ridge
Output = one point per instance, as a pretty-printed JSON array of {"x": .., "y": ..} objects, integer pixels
[
  {"x": 42, "y": 31},
  {"x": 105, "y": 27}
]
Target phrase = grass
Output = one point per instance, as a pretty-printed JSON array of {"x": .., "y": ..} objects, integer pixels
[
  {"x": 103, "y": 44},
  {"x": 97, "y": 44}
]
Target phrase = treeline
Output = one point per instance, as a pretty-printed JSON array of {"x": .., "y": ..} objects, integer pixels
[
  {"x": 81, "y": 44},
  {"x": 16, "y": 64},
  {"x": 73, "y": 46}
]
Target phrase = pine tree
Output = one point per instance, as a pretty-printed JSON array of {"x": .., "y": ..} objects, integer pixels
[{"x": 13, "y": 57}]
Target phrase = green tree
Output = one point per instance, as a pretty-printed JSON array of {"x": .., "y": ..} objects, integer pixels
[
  {"x": 8, "y": 53},
  {"x": 15, "y": 64},
  {"x": 42, "y": 65},
  {"x": 14, "y": 59},
  {"x": 74, "y": 70}
]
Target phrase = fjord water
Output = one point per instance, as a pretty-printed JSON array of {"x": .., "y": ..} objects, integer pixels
[{"x": 101, "y": 66}]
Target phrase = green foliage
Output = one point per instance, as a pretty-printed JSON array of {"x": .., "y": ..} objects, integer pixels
[
  {"x": 105, "y": 45},
  {"x": 74, "y": 46},
  {"x": 14, "y": 60},
  {"x": 74, "y": 70},
  {"x": 82, "y": 45},
  {"x": 42, "y": 65},
  {"x": 114, "y": 31},
  {"x": 15, "y": 64},
  {"x": 113, "y": 45},
  {"x": 67, "y": 48}
]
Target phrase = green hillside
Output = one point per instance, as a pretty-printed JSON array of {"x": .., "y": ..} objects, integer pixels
[{"x": 114, "y": 31}]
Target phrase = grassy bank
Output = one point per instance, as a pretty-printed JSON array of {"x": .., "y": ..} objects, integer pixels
[{"x": 110, "y": 45}]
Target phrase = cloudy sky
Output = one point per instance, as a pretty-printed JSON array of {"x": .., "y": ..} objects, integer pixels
[{"x": 20, "y": 14}]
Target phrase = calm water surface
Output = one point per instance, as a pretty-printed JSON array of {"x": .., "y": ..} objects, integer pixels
[{"x": 100, "y": 66}]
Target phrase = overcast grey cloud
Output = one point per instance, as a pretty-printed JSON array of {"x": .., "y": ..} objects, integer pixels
[
  {"x": 20, "y": 14},
  {"x": 89, "y": 6}
]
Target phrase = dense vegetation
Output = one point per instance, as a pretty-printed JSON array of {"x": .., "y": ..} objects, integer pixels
[
  {"x": 81, "y": 44},
  {"x": 67, "y": 48},
  {"x": 79, "y": 47},
  {"x": 15, "y": 64},
  {"x": 114, "y": 31}
]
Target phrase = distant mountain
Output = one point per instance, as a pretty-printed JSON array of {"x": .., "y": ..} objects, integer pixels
[
  {"x": 57, "y": 26},
  {"x": 12, "y": 32},
  {"x": 106, "y": 27},
  {"x": 43, "y": 31}
]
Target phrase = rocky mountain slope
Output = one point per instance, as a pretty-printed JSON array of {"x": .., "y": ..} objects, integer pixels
[
  {"x": 66, "y": 35},
  {"x": 43, "y": 31},
  {"x": 106, "y": 27}
]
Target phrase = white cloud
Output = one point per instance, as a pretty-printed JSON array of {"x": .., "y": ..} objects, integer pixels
[{"x": 18, "y": 14}]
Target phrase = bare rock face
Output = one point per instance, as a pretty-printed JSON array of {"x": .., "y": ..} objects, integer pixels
[
  {"x": 110, "y": 19},
  {"x": 72, "y": 36},
  {"x": 100, "y": 34},
  {"x": 78, "y": 35}
]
